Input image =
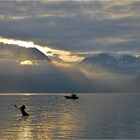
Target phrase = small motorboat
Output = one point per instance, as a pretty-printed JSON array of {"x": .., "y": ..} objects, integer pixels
[{"x": 73, "y": 96}]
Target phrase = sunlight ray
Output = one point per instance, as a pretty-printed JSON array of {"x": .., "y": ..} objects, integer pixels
[{"x": 66, "y": 56}]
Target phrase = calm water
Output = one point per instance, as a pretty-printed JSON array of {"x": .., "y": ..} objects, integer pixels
[{"x": 54, "y": 117}]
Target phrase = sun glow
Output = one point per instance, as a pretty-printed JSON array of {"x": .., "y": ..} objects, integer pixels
[
  {"x": 21, "y": 43},
  {"x": 26, "y": 62},
  {"x": 61, "y": 64},
  {"x": 66, "y": 56},
  {"x": 27, "y": 94}
]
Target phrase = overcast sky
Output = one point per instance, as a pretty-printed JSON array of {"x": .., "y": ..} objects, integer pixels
[{"x": 81, "y": 27}]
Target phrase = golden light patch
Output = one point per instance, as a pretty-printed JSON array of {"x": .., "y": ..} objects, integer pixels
[
  {"x": 61, "y": 64},
  {"x": 26, "y": 62},
  {"x": 27, "y": 94},
  {"x": 66, "y": 56}
]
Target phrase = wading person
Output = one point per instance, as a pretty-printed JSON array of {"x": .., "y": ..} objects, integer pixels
[{"x": 22, "y": 109}]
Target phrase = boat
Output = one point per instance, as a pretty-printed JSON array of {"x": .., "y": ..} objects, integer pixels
[{"x": 72, "y": 96}]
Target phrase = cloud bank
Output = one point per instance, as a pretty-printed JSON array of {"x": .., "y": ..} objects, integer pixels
[{"x": 76, "y": 26}]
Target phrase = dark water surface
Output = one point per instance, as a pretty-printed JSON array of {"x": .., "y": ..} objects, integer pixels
[{"x": 103, "y": 116}]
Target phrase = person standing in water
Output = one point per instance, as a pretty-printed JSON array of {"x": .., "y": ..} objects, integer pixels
[{"x": 22, "y": 109}]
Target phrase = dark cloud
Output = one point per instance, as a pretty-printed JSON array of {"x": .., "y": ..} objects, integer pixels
[{"x": 72, "y": 25}]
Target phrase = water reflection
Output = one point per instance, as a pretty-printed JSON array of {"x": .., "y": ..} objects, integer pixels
[
  {"x": 49, "y": 119},
  {"x": 91, "y": 117},
  {"x": 23, "y": 129}
]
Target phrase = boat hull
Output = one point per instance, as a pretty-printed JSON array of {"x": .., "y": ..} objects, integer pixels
[{"x": 70, "y": 97}]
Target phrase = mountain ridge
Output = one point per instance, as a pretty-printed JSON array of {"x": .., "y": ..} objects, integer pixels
[
  {"x": 105, "y": 58},
  {"x": 21, "y": 53}
]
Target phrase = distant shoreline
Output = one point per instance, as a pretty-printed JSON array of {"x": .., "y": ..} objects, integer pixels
[{"x": 62, "y": 94}]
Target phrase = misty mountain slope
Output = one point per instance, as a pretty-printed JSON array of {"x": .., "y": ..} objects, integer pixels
[
  {"x": 32, "y": 54},
  {"x": 46, "y": 82},
  {"x": 21, "y": 53},
  {"x": 101, "y": 58},
  {"x": 110, "y": 73},
  {"x": 40, "y": 77},
  {"x": 127, "y": 64},
  {"x": 129, "y": 60}
]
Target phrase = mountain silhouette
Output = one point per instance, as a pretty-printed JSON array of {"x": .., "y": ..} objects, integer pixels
[
  {"x": 102, "y": 58},
  {"x": 21, "y": 53},
  {"x": 127, "y": 59},
  {"x": 126, "y": 64}
]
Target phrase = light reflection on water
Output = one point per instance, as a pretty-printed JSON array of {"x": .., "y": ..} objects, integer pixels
[{"x": 54, "y": 117}]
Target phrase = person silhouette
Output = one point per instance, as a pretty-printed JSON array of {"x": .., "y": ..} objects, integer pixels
[{"x": 22, "y": 109}]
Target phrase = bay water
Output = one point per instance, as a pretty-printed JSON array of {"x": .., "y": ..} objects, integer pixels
[{"x": 92, "y": 116}]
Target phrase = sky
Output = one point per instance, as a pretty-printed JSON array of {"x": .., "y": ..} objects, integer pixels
[
  {"x": 71, "y": 30},
  {"x": 68, "y": 31}
]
